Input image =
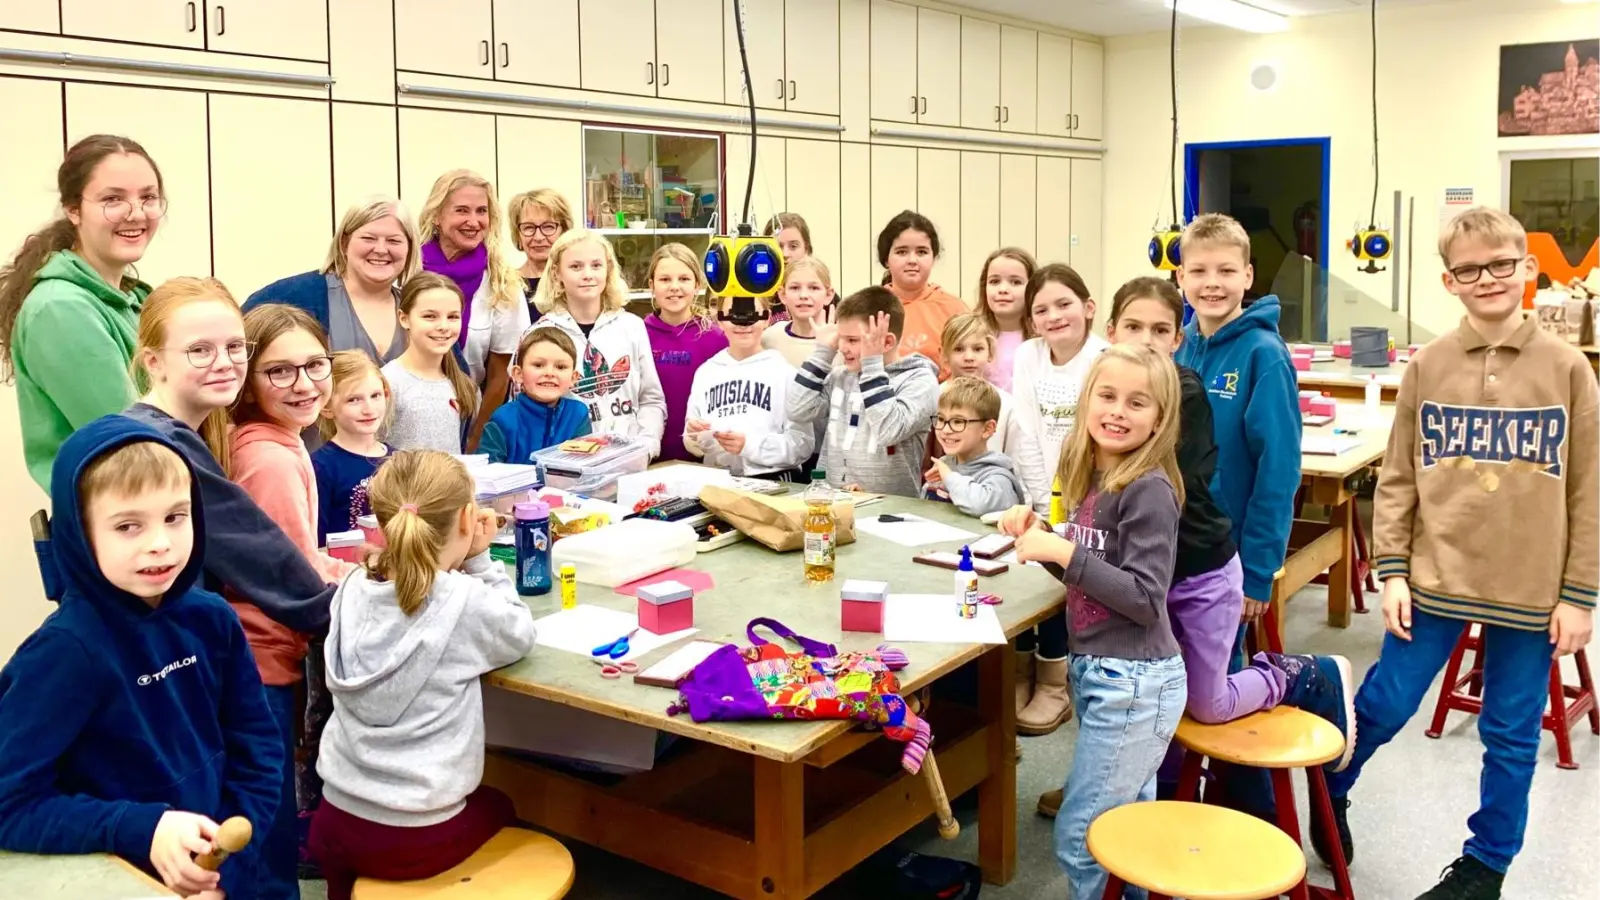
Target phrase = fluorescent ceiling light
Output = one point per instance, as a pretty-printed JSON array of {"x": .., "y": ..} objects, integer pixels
[{"x": 1233, "y": 14}]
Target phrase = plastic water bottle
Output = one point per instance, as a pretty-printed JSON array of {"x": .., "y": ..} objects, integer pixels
[
  {"x": 533, "y": 548},
  {"x": 1372, "y": 399}
]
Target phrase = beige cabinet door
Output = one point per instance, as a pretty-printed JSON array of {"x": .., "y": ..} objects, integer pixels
[
  {"x": 38, "y": 15},
  {"x": 811, "y": 57},
  {"x": 1055, "y": 85},
  {"x": 29, "y": 157},
  {"x": 980, "y": 220},
  {"x": 366, "y": 147},
  {"x": 1019, "y": 201},
  {"x": 894, "y": 188},
  {"x": 854, "y": 266},
  {"x": 894, "y": 61},
  {"x": 1087, "y": 250},
  {"x": 764, "y": 46},
  {"x": 252, "y": 180},
  {"x": 174, "y": 23},
  {"x": 686, "y": 67},
  {"x": 617, "y": 40},
  {"x": 769, "y": 194},
  {"x": 1053, "y": 216},
  {"x": 452, "y": 39},
  {"x": 938, "y": 67},
  {"x": 433, "y": 142},
  {"x": 538, "y": 153},
  {"x": 814, "y": 190},
  {"x": 980, "y": 74},
  {"x": 289, "y": 29},
  {"x": 536, "y": 41},
  {"x": 171, "y": 125},
  {"x": 1088, "y": 90},
  {"x": 1019, "y": 79},
  {"x": 939, "y": 198}
]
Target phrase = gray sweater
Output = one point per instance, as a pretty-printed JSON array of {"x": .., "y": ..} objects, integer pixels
[
  {"x": 878, "y": 420},
  {"x": 405, "y": 743},
  {"x": 985, "y": 484},
  {"x": 1118, "y": 578}
]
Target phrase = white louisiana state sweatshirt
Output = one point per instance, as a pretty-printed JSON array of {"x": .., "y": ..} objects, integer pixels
[
  {"x": 616, "y": 375},
  {"x": 749, "y": 396}
]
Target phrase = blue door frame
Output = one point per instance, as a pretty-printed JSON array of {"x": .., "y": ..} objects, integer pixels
[{"x": 1191, "y": 196}]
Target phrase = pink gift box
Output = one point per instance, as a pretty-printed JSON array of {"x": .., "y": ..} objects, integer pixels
[
  {"x": 1305, "y": 400},
  {"x": 369, "y": 529},
  {"x": 346, "y": 545},
  {"x": 1323, "y": 406},
  {"x": 1341, "y": 349},
  {"x": 1301, "y": 363},
  {"x": 861, "y": 605},
  {"x": 665, "y": 607}
]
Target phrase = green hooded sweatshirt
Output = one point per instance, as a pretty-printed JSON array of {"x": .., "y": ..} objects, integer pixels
[{"x": 71, "y": 347}]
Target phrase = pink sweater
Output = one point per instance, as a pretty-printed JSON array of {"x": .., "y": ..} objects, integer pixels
[{"x": 271, "y": 463}]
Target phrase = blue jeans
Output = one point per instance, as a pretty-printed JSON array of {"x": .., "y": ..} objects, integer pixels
[
  {"x": 1516, "y": 685},
  {"x": 279, "y": 859},
  {"x": 1128, "y": 711}
]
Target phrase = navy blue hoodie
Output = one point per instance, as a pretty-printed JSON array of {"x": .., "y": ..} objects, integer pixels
[
  {"x": 1255, "y": 409},
  {"x": 525, "y": 426},
  {"x": 113, "y": 712}
]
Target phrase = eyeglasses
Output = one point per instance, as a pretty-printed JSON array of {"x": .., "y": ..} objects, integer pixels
[
  {"x": 118, "y": 210},
  {"x": 954, "y": 426},
  {"x": 548, "y": 229},
  {"x": 201, "y": 356},
  {"x": 1499, "y": 268},
  {"x": 283, "y": 375}
]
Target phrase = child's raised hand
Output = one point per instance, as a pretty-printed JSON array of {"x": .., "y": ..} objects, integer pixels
[
  {"x": 826, "y": 328},
  {"x": 1397, "y": 607},
  {"x": 877, "y": 337},
  {"x": 936, "y": 473},
  {"x": 178, "y": 837},
  {"x": 1017, "y": 520},
  {"x": 484, "y": 528},
  {"x": 731, "y": 441}
]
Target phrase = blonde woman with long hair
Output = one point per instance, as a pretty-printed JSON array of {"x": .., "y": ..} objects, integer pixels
[
  {"x": 683, "y": 335},
  {"x": 538, "y": 219},
  {"x": 356, "y": 293},
  {"x": 404, "y": 799},
  {"x": 460, "y": 225},
  {"x": 584, "y": 295}
]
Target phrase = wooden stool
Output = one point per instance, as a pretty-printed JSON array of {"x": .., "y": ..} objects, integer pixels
[
  {"x": 1465, "y": 692},
  {"x": 515, "y": 864},
  {"x": 1176, "y": 849},
  {"x": 1277, "y": 740}
]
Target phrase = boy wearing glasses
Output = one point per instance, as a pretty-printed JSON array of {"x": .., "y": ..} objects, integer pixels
[
  {"x": 1495, "y": 425},
  {"x": 970, "y": 475}
]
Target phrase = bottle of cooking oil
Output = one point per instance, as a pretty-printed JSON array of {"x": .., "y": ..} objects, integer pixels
[{"x": 819, "y": 529}]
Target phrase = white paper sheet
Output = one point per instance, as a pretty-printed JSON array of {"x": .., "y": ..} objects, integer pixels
[
  {"x": 581, "y": 629},
  {"x": 915, "y": 531},
  {"x": 682, "y": 480},
  {"x": 932, "y": 619},
  {"x": 1327, "y": 444}
]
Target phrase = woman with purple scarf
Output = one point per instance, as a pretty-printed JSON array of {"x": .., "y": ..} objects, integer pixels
[{"x": 460, "y": 226}]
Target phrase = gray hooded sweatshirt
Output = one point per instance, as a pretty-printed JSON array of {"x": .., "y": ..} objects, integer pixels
[
  {"x": 983, "y": 485},
  {"x": 878, "y": 420},
  {"x": 405, "y": 743}
]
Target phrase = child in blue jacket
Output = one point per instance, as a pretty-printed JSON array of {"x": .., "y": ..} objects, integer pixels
[
  {"x": 542, "y": 414},
  {"x": 133, "y": 720}
]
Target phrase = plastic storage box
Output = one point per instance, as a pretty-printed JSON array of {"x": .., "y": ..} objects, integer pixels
[
  {"x": 665, "y": 607},
  {"x": 861, "y": 605},
  {"x": 626, "y": 551},
  {"x": 593, "y": 474}
]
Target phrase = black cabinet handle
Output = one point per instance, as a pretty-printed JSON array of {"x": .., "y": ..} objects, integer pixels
[
  {"x": 649, "y": 73},
  {"x": 791, "y": 89},
  {"x": 483, "y": 53},
  {"x": 666, "y": 74},
  {"x": 222, "y": 22},
  {"x": 924, "y": 106},
  {"x": 1006, "y": 110},
  {"x": 505, "y": 54},
  {"x": 189, "y": 23}
]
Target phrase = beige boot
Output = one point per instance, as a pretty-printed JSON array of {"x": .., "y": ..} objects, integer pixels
[
  {"x": 1051, "y": 705},
  {"x": 1050, "y": 803},
  {"x": 1024, "y": 678}
]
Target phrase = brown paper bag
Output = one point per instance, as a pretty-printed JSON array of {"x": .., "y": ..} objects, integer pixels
[{"x": 777, "y": 522}]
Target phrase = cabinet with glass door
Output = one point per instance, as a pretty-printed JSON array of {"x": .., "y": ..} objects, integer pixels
[{"x": 646, "y": 188}]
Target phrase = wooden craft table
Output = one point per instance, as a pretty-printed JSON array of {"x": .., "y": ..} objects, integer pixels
[
  {"x": 1342, "y": 381},
  {"x": 1314, "y": 546},
  {"x": 780, "y": 809},
  {"x": 89, "y": 877}
]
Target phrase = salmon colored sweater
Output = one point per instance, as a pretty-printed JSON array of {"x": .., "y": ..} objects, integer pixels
[
  {"x": 926, "y": 313},
  {"x": 271, "y": 463}
]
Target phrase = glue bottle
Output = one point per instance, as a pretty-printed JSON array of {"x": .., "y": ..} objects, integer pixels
[
  {"x": 966, "y": 592},
  {"x": 1373, "y": 397},
  {"x": 533, "y": 548}
]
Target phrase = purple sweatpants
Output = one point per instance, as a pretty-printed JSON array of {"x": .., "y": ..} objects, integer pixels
[{"x": 1204, "y": 610}]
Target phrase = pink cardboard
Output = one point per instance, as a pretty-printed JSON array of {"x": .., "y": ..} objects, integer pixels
[{"x": 695, "y": 581}]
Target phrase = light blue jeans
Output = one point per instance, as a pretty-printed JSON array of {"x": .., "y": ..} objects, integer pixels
[{"x": 1128, "y": 711}]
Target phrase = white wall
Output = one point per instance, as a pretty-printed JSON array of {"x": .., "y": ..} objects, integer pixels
[{"x": 1438, "y": 71}]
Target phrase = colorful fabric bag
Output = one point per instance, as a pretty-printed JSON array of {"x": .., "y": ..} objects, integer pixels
[{"x": 765, "y": 681}]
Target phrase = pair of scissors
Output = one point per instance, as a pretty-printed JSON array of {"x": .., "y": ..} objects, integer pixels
[
  {"x": 616, "y": 649},
  {"x": 614, "y": 670}
]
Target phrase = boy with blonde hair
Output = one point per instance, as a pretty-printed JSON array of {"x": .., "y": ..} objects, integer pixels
[
  {"x": 1495, "y": 422},
  {"x": 969, "y": 347},
  {"x": 976, "y": 478}
]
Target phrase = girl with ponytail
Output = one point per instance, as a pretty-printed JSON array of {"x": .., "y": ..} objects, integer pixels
[
  {"x": 69, "y": 304},
  {"x": 412, "y": 634}
]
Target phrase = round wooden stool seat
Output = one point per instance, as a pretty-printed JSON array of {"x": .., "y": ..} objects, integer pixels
[
  {"x": 1280, "y": 738},
  {"x": 515, "y": 864},
  {"x": 1196, "y": 851}
]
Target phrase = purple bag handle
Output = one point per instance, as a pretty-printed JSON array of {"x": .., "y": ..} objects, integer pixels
[{"x": 814, "y": 648}]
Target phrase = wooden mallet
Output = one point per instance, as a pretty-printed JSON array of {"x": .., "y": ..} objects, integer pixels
[{"x": 232, "y": 836}]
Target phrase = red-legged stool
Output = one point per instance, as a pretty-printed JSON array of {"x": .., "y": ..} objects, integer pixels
[
  {"x": 1193, "y": 851},
  {"x": 1463, "y": 690},
  {"x": 1278, "y": 740}
]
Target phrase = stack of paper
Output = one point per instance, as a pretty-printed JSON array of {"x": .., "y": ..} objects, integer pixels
[{"x": 498, "y": 479}]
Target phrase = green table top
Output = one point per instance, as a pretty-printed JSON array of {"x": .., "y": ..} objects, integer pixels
[
  {"x": 89, "y": 877},
  {"x": 753, "y": 582}
]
